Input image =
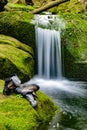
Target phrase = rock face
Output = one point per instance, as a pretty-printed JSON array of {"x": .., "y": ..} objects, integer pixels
[{"x": 74, "y": 46}]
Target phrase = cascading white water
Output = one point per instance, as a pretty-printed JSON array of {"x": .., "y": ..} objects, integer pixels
[
  {"x": 48, "y": 48},
  {"x": 48, "y": 45}
]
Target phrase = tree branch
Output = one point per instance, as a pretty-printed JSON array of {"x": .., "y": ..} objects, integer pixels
[{"x": 49, "y": 5}]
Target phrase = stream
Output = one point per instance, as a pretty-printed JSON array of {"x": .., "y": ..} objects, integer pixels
[{"x": 71, "y": 97}]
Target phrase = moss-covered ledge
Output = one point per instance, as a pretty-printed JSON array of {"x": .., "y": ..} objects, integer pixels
[
  {"x": 74, "y": 46},
  {"x": 18, "y": 24},
  {"x": 18, "y": 7},
  {"x": 15, "y": 57},
  {"x": 77, "y": 70},
  {"x": 16, "y": 113}
]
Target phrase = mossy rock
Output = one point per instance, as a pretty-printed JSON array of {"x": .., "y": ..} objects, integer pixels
[
  {"x": 74, "y": 46},
  {"x": 19, "y": 115},
  {"x": 15, "y": 57},
  {"x": 18, "y": 24},
  {"x": 72, "y": 6},
  {"x": 18, "y": 7}
]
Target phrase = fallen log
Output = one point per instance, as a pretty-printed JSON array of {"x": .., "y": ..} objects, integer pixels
[{"x": 48, "y": 6}]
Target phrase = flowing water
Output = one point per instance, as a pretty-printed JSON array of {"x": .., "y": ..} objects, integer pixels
[
  {"x": 48, "y": 53},
  {"x": 70, "y": 96}
]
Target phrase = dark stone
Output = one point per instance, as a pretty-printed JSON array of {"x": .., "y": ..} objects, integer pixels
[
  {"x": 2, "y": 4},
  {"x": 29, "y": 2}
]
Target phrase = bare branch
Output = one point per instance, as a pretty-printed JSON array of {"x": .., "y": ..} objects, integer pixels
[{"x": 49, "y": 5}]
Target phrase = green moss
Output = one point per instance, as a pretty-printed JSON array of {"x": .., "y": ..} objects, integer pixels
[
  {"x": 18, "y": 7},
  {"x": 8, "y": 68},
  {"x": 44, "y": 100},
  {"x": 1, "y": 86},
  {"x": 17, "y": 24},
  {"x": 14, "y": 42},
  {"x": 72, "y": 6},
  {"x": 17, "y": 115},
  {"x": 74, "y": 40},
  {"x": 76, "y": 34},
  {"x": 15, "y": 57},
  {"x": 20, "y": 114}
]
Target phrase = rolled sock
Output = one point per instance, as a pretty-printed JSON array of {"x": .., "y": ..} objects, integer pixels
[
  {"x": 31, "y": 99},
  {"x": 34, "y": 103}
]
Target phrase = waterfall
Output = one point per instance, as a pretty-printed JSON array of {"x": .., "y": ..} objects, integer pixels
[
  {"x": 65, "y": 93},
  {"x": 48, "y": 46},
  {"x": 48, "y": 58}
]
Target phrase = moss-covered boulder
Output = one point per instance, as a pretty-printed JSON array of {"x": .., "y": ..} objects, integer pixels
[
  {"x": 18, "y": 24},
  {"x": 16, "y": 113},
  {"x": 74, "y": 46},
  {"x": 19, "y": 7},
  {"x": 72, "y": 6},
  {"x": 15, "y": 57}
]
